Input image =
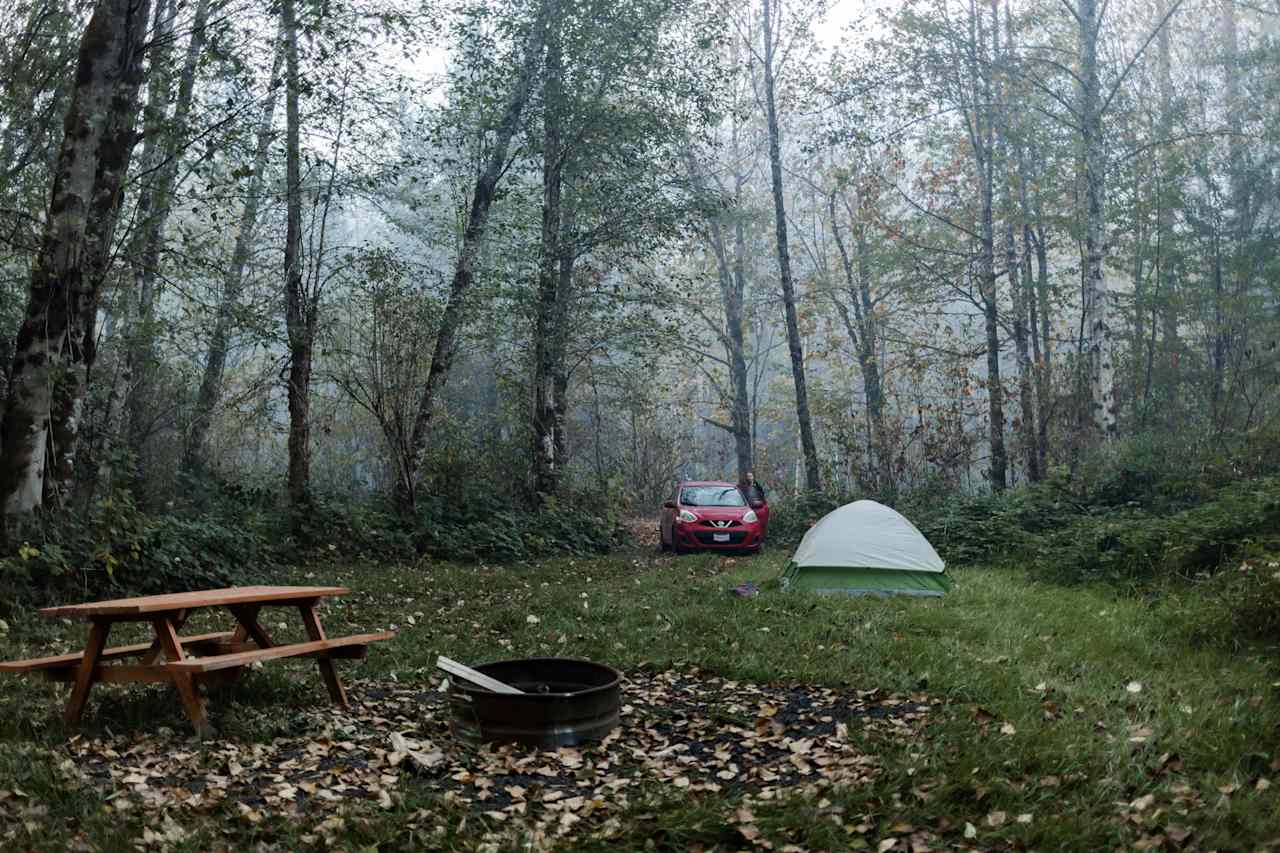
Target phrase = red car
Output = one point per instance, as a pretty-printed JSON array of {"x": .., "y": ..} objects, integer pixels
[{"x": 712, "y": 515}]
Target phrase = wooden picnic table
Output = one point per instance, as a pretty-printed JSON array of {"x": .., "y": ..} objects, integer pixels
[{"x": 187, "y": 661}]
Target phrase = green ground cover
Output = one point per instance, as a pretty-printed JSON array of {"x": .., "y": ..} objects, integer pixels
[{"x": 1050, "y": 717}]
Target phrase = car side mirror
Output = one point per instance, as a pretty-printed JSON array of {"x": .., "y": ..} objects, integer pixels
[{"x": 668, "y": 504}]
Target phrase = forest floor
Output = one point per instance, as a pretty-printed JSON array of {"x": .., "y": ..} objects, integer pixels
[{"x": 1011, "y": 714}]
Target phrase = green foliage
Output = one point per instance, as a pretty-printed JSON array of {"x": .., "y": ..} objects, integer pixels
[
  {"x": 1250, "y": 600},
  {"x": 349, "y": 529},
  {"x": 1237, "y": 608},
  {"x": 790, "y": 519},
  {"x": 1145, "y": 509},
  {"x": 484, "y": 526},
  {"x": 1133, "y": 544},
  {"x": 472, "y": 526},
  {"x": 233, "y": 534},
  {"x": 112, "y": 545},
  {"x": 984, "y": 528}
]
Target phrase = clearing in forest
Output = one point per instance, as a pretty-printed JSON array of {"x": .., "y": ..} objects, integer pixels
[{"x": 1007, "y": 714}]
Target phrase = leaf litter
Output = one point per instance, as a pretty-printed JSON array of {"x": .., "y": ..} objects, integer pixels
[{"x": 685, "y": 728}]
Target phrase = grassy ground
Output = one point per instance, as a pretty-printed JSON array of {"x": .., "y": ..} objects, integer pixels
[{"x": 1063, "y": 718}]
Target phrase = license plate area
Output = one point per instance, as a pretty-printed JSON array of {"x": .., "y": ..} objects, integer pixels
[{"x": 719, "y": 537}]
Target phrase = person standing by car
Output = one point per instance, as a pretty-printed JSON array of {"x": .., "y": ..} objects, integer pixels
[
  {"x": 754, "y": 494},
  {"x": 751, "y": 490}
]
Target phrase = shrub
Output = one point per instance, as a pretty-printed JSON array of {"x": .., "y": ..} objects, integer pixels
[
  {"x": 488, "y": 527},
  {"x": 1251, "y": 595},
  {"x": 790, "y": 519},
  {"x": 337, "y": 528},
  {"x": 981, "y": 528},
  {"x": 112, "y": 546},
  {"x": 963, "y": 528},
  {"x": 1237, "y": 606},
  {"x": 1132, "y": 544}
]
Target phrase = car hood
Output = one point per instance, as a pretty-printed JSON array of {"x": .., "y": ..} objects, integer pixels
[{"x": 719, "y": 513}]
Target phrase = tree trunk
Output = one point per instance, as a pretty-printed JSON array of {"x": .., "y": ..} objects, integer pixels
[
  {"x": 733, "y": 291},
  {"x": 55, "y": 343},
  {"x": 813, "y": 475},
  {"x": 154, "y": 206},
  {"x": 1018, "y": 287},
  {"x": 560, "y": 338},
  {"x": 984, "y": 153},
  {"x": 210, "y": 394},
  {"x": 154, "y": 115},
  {"x": 731, "y": 274},
  {"x": 296, "y": 302},
  {"x": 1239, "y": 222},
  {"x": 1026, "y": 398},
  {"x": 863, "y": 331},
  {"x": 1218, "y": 336},
  {"x": 464, "y": 268},
  {"x": 1093, "y": 160},
  {"x": 1164, "y": 310},
  {"x": 545, "y": 463},
  {"x": 995, "y": 387},
  {"x": 1044, "y": 375}
]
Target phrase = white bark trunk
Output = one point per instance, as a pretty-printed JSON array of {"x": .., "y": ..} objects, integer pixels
[
  {"x": 1097, "y": 294},
  {"x": 55, "y": 340}
]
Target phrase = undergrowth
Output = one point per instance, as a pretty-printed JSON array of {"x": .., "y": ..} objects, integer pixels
[{"x": 228, "y": 534}]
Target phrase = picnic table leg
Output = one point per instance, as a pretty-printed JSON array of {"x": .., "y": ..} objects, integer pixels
[
  {"x": 182, "y": 681},
  {"x": 247, "y": 617},
  {"x": 153, "y": 654},
  {"x": 247, "y": 626},
  {"x": 327, "y": 671},
  {"x": 86, "y": 671}
]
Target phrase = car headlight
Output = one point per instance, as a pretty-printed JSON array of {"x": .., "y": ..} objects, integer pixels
[
  {"x": 686, "y": 516},
  {"x": 750, "y": 517}
]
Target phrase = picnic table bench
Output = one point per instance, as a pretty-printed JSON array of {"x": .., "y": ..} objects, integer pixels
[{"x": 186, "y": 662}]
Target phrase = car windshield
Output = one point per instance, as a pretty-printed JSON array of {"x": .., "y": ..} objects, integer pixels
[{"x": 711, "y": 496}]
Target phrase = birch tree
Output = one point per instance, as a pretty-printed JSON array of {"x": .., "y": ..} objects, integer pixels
[
  {"x": 1089, "y": 112},
  {"x": 55, "y": 343}
]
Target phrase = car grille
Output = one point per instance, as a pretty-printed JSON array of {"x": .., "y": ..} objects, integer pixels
[
  {"x": 710, "y": 538},
  {"x": 722, "y": 522}
]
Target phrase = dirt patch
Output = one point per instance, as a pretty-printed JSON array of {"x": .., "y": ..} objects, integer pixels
[{"x": 642, "y": 532}]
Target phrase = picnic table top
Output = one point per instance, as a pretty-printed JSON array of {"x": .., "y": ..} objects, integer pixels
[{"x": 125, "y": 607}]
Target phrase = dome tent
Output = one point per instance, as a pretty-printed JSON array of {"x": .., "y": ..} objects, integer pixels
[{"x": 866, "y": 548}]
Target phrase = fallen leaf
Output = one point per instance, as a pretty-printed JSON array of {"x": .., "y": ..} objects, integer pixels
[{"x": 421, "y": 760}]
